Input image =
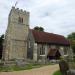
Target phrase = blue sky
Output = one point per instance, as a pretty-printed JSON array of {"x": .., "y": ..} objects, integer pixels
[{"x": 56, "y": 16}]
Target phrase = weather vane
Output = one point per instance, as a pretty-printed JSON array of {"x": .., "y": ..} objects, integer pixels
[{"x": 16, "y": 3}]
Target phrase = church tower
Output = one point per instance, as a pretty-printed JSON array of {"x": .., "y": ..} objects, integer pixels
[{"x": 15, "y": 44}]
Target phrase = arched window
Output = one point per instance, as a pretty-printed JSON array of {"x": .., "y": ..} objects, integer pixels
[
  {"x": 42, "y": 50},
  {"x": 20, "y": 20}
]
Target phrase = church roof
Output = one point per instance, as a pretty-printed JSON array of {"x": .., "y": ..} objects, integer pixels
[{"x": 49, "y": 38}]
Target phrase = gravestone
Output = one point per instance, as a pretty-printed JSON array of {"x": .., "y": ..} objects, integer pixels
[{"x": 64, "y": 67}]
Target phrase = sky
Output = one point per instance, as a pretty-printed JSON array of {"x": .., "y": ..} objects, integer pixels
[{"x": 55, "y": 16}]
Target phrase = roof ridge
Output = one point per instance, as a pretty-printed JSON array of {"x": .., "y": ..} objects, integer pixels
[{"x": 47, "y": 32}]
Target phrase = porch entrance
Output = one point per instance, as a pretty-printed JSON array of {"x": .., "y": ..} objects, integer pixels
[{"x": 53, "y": 54}]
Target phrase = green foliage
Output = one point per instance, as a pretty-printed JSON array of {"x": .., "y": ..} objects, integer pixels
[
  {"x": 1, "y": 39},
  {"x": 57, "y": 73},
  {"x": 1, "y": 44},
  {"x": 73, "y": 47},
  {"x": 71, "y": 37},
  {"x": 39, "y": 28},
  {"x": 18, "y": 68}
]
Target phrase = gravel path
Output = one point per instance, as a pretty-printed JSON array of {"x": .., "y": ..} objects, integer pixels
[{"x": 46, "y": 70}]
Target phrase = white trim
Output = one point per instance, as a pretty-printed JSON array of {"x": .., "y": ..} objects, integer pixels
[
  {"x": 66, "y": 55},
  {"x": 42, "y": 55}
]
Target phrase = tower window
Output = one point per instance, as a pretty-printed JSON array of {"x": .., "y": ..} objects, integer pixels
[{"x": 20, "y": 20}]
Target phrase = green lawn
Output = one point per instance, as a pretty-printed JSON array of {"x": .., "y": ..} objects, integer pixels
[
  {"x": 17, "y": 68},
  {"x": 57, "y": 73}
]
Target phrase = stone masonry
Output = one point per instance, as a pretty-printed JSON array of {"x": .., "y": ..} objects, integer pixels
[{"x": 15, "y": 44}]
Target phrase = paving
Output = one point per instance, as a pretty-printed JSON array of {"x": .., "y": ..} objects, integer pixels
[{"x": 46, "y": 70}]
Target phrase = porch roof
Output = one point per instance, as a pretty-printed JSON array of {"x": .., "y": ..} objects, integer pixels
[{"x": 52, "y": 52}]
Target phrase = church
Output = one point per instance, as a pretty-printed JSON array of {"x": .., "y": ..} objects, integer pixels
[{"x": 23, "y": 43}]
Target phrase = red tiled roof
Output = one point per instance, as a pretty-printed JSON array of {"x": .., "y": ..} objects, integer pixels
[{"x": 49, "y": 38}]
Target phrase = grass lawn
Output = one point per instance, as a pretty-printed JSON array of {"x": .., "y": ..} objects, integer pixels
[
  {"x": 18, "y": 68},
  {"x": 57, "y": 73}
]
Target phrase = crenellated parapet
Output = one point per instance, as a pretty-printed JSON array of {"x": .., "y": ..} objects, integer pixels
[{"x": 17, "y": 10}]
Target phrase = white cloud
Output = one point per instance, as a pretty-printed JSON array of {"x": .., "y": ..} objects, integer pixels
[{"x": 57, "y": 16}]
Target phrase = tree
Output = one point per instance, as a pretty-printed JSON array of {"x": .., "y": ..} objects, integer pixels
[
  {"x": 36, "y": 28},
  {"x": 39, "y": 28},
  {"x": 1, "y": 45},
  {"x": 71, "y": 37},
  {"x": 73, "y": 45}
]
